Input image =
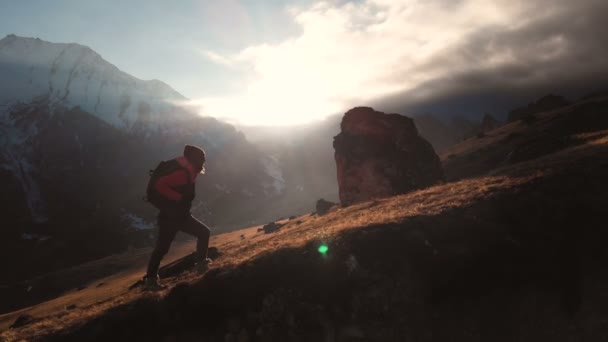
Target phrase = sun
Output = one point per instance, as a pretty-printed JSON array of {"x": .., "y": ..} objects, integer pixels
[{"x": 272, "y": 107}]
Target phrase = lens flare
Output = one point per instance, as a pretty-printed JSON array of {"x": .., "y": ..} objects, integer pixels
[{"x": 323, "y": 249}]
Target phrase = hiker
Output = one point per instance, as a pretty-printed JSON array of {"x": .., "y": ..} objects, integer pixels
[{"x": 172, "y": 192}]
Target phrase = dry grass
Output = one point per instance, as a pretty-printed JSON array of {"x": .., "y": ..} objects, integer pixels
[
  {"x": 235, "y": 250},
  {"x": 517, "y": 141}
]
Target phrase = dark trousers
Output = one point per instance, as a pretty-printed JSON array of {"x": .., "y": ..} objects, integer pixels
[{"x": 167, "y": 229}]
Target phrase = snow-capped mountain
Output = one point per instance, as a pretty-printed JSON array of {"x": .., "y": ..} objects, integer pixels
[
  {"x": 75, "y": 75},
  {"x": 77, "y": 138}
]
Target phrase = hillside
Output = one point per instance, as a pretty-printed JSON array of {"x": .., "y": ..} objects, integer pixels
[
  {"x": 526, "y": 139},
  {"x": 514, "y": 251}
]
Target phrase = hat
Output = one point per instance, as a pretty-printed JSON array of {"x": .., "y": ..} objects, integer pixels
[{"x": 195, "y": 155}]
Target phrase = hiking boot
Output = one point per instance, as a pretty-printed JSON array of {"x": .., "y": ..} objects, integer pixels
[
  {"x": 152, "y": 284},
  {"x": 203, "y": 265}
]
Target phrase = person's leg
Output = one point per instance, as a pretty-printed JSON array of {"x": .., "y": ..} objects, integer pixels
[
  {"x": 202, "y": 232},
  {"x": 166, "y": 233}
]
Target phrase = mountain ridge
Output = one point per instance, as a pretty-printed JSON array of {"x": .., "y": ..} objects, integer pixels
[{"x": 75, "y": 75}]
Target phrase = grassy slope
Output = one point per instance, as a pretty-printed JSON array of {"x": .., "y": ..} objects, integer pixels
[
  {"x": 524, "y": 140},
  {"x": 515, "y": 254}
]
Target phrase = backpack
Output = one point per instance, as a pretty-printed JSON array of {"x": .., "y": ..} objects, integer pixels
[{"x": 164, "y": 168}]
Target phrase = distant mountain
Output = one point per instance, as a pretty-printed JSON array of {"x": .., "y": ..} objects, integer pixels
[
  {"x": 545, "y": 103},
  {"x": 77, "y": 138},
  {"x": 75, "y": 75},
  {"x": 305, "y": 155},
  {"x": 443, "y": 133}
]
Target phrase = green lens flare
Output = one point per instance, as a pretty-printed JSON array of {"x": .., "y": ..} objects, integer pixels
[{"x": 323, "y": 249}]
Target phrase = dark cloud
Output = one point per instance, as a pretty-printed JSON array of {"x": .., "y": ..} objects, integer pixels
[{"x": 558, "y": 46}]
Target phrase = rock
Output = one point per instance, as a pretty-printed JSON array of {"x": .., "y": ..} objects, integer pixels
[
  {"x": 488, "y": 123},
  {"x": 70, "y": 307},
  {"x": 22, "y": 320},
  {"x": 213, "y": 253},
  {"x": 380, "y": 155},
  {"x": 292, "y": 217},
  {"x": 545, "y": 103},
  {"x": 324, "y": 206},
  {"x": 271, "y": 227}
]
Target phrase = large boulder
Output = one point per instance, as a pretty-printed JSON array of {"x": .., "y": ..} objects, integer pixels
[{"x": 380, "y": 155}]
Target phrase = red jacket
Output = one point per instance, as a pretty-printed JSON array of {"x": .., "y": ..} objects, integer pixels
[{"x": 166, "y": 184}]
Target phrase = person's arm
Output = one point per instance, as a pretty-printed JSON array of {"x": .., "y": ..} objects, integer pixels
[{"x": 165, "y": 184}]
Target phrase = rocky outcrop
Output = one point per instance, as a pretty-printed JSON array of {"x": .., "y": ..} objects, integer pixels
[
  {"x": 271, "y": 227},
  {"x": 488, "y": 123},
  {"x": 323, "y": 206},
  {"x": 380, "y": 155},
  {"x": 545, "y": 103}
]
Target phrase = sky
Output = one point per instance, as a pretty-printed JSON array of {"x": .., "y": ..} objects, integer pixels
[{"x": 280, "y": 62}]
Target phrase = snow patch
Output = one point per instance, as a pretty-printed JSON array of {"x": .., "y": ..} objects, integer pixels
[
  {"x": 13, "y": 140},
  {"x": 272, "y": 168},
  {"x": 136, "y": 222},
  {"x": 73, "y": 75}
]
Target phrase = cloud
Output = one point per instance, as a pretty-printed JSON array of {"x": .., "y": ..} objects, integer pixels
[
  {"x": 217, "y": 58},
  {"x": 559, "y": 47},
  {"x": 404, "y": 54}
]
